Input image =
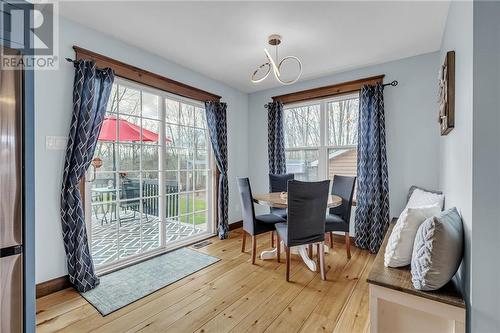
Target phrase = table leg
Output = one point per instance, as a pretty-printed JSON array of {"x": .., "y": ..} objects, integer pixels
[{"x": 300, "y": 250}]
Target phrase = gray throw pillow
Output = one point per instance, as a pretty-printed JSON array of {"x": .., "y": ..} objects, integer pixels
[
  {"x": 414, "y": 187},
  {"x": 437, "y": 250}
]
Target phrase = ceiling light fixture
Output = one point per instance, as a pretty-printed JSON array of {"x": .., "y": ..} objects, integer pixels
[{"x": 275, "y": 40}]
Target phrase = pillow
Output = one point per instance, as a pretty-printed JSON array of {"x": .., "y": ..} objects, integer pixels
[
  {"x": 400, "y": 244},
  {"x": 437, "y": 251},
  {"x": 420, "y": 197}
]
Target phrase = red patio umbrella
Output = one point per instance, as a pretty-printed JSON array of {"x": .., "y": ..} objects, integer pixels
[{"x": 126, "y": 131}]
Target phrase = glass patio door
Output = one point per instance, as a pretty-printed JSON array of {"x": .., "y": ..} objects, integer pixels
[{"x": 149, "y": 185}]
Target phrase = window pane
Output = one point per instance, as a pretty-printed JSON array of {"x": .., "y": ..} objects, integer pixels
[
  {"x": 200, "y": 180},
  {"x": 150, "y": 156},
  {"x": 200, "y": 201},
  {"x": 172, "y": 135},
  {"x": 150, "y": 184},
  {"x": 200, "y": 139},
  {"x": 105, "y": 152},
  {"x": 342, "y": 162},
  {"x": 129, "y": 185},
  {"x": 129, "y": 101},
  {"x": 150, "y": 131},
  {"x": 150, "y": 105},
  {"x": 129, "y": 156},
  {"x": 172, "y": 111},
  {"x": 186, "y": 181},
  {"x": 303, "y": 163},
  {"x": 302, "y": 126},
  {"x": 150, "y": 224},
  {"x": 171, "y": 159},
  {"x": 343, "y": 122},
  {"x": 201, "y": 160},
  {"x": 187, "y": 115},
  {"x": 103, "y": 188},
  {"x": 199, "y": 118}
]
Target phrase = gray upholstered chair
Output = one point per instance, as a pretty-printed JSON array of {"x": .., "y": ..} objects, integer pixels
[
  {"x": 338, "y": 217},
  {"x": 279, "y": 183},
  {"x": 253, "y": 225},
  {"x": 307, "y": 202}
]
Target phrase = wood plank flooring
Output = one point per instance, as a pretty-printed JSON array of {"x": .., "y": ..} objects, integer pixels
[{"x": 233, "y": 296}]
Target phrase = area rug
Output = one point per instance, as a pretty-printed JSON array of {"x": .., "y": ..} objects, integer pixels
[{"x": 127, "y": 285}]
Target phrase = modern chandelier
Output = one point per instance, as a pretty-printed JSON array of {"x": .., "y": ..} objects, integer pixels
[{"x": 265, "y": 68}]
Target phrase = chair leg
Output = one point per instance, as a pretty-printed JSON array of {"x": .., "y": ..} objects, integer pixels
[
  {"x": 310, "y": 250},
  {"x": 272, "y": 238},
  {"x": 254, "y": 248},
  {"x": 318, "y": 248},
  {"x": 287, "y": 249},
  {"x": 278, "y": 247},
  {"x": 348, "y": 245},
  {"x": 322, "y": 262},
  {"x": 243, "y": 240},
  {"x": 331, "y": 240}
]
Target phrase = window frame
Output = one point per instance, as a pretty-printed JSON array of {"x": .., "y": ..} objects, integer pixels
[{"x": 324, "y": 145}]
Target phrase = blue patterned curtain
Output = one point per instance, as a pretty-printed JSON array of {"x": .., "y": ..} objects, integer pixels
[
  {"x": 372, "y": 203},
  {"x": 217, "y": 128},
  {"x": 276, "y": 138},
  {"x": 91, "y": 90}
]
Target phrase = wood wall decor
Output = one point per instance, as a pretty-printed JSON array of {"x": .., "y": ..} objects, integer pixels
[{"x": 447, "y": 94}]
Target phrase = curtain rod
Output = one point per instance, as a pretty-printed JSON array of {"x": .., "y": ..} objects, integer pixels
[{"x": 393, "y": 83}]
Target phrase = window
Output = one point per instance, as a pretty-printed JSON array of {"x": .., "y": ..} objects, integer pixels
[
  {"x": 321, "y": 137},
  {"x": 153, "y": 187}
]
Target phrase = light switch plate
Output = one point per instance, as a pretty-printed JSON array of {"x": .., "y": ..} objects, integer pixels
[{"x": 56, "y": 142}]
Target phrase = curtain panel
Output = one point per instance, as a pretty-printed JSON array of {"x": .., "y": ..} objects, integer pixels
[
  {"x": 217, "y": 128},
  {"x": 372, "y": 206},
  {"x": 91, "y": 90},
  {"x": 276, "y": 138}
]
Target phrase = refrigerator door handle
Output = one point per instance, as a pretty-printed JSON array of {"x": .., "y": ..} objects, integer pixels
[{"x": 10, "y": 251}]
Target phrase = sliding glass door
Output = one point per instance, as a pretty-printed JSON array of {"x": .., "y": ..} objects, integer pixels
[{"x": 149, "y": 187}]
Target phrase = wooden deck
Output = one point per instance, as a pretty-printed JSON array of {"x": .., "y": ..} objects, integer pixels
[{"x": 233, "y": 296}]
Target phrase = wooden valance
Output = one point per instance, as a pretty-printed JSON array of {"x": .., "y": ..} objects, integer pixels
[
  {"x": 145, "y": 77},
  {"x": 328, "y": 91}
]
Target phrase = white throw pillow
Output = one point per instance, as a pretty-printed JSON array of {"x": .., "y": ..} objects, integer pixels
[
  {"x": 421, "y": 198},
  {"x": 400, "y": 244}
]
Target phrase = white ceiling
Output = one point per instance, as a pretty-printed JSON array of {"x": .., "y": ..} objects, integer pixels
[{"x": 225, "y": 40}]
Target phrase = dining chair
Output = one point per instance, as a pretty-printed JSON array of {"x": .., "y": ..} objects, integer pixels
[
  {"x": 253, "y": 225},
  {"x": 307, "y": 202},
  {"x": 279, "y": 183},
  {"x": 339, "y": 217}
]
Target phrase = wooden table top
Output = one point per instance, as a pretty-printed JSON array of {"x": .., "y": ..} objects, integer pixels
[
  {"x": 274, "y": 200},
  {"x": 400, "y": 279}
]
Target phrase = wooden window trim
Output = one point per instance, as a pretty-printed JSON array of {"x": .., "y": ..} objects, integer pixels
[
  {"x": 145, "y": 77},
  {"x": 328, "y": 91}
]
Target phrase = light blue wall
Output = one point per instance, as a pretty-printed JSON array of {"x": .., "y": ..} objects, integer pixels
[
  {"x": 455, "y": 177},
  {"x": 53, "y": 98},
  {"x": 485, "y": 262},
  {"x": 411, "y": 124}
]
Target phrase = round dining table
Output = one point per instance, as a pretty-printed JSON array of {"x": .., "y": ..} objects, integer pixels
[{"x": 279, "y": 200}]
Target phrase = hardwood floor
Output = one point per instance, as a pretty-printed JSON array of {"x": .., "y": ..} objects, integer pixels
[{"x": 233, "y": 296}]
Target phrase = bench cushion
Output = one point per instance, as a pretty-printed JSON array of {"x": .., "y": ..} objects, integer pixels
[{"x": 437, "y": 251}]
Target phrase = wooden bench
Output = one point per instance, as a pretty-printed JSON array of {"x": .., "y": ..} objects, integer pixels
[{"x": 395, "y": 306}]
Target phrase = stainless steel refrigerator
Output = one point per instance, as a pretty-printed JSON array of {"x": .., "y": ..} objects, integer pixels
[{"x": 11, "y": 198}]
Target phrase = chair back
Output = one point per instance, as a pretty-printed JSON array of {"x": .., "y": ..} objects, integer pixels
[
  {"x": 131, "y": 189},
  {"x": 279, "y": 183},
  {"x": 247, "y": 208},
  {"x": 307, "y": 202},
  {"x": 343, "y": 186}
]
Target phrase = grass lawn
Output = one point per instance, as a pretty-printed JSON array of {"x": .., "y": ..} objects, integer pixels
[{"x": 186, "y": 206}]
